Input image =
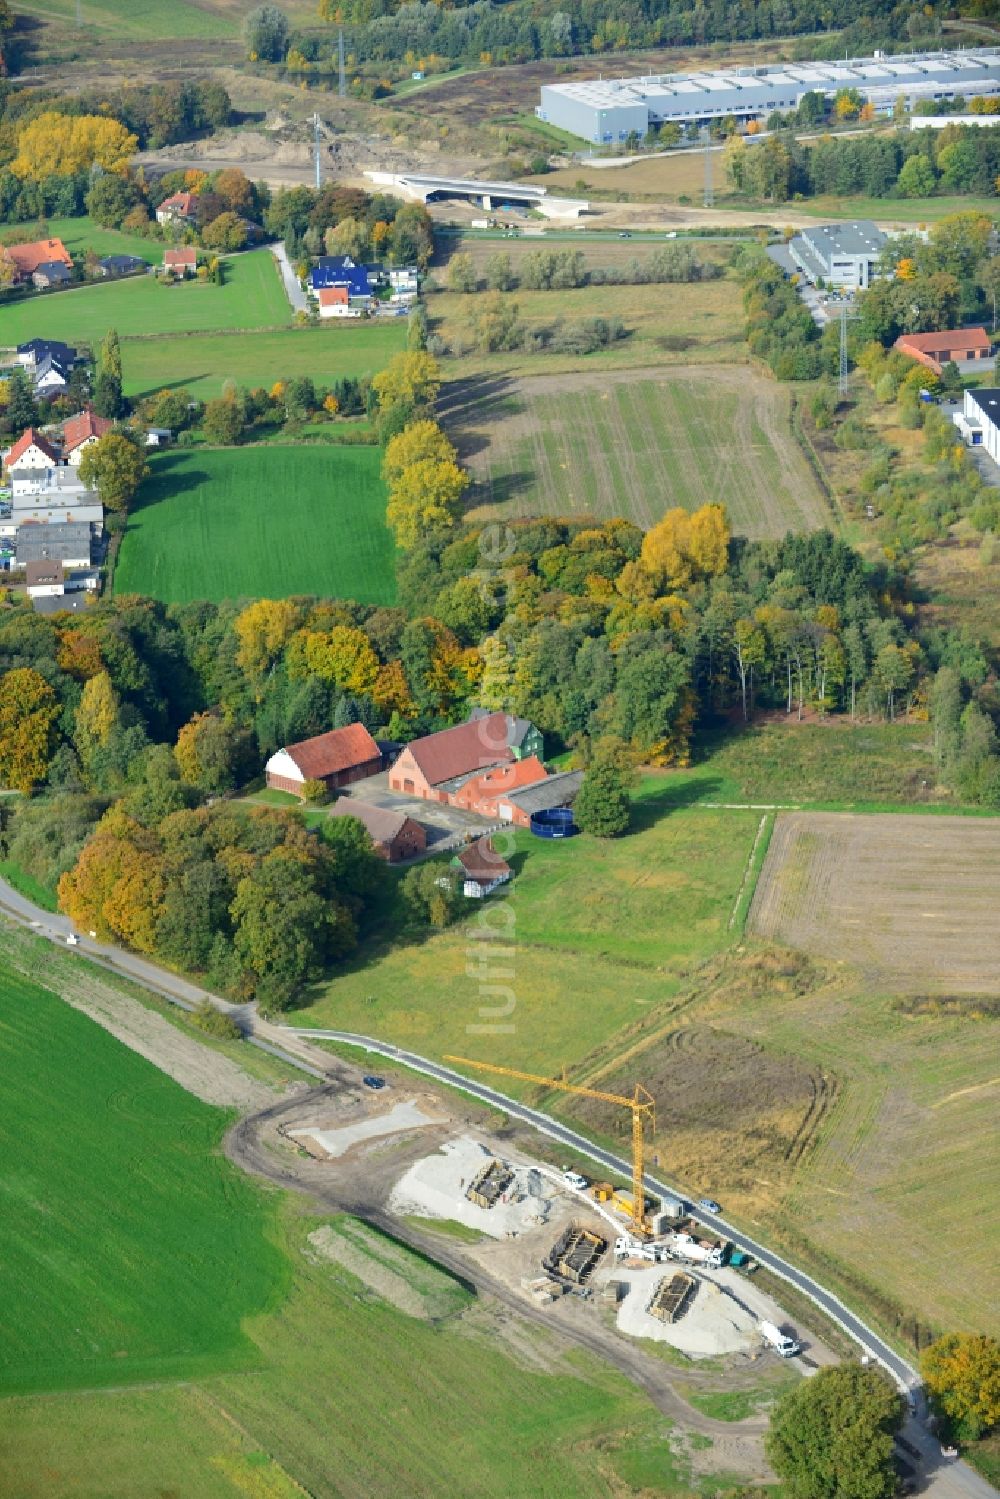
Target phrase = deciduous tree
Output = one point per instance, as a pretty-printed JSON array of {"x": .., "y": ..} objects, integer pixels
[
  {"x": 116, "y": 465},
  {"x": 832, "y": 1436},
  {"x": 28, "y": 713},
  {"x": 426, "y": 497},
  {"x": 962, "y": 1374}
]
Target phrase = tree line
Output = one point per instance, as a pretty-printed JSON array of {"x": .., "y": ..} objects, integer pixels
[
  {"x": 390, "y": 35},
  {"x": 960, "y": 159}
]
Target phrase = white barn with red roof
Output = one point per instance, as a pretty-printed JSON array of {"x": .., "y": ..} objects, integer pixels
[{"x": 336, "y": 758}]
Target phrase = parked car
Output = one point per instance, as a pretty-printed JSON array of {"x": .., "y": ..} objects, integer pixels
[
  {"x": 374, "y": 1082},
  {"x": 624, "y": 234},
  {"x": 709, "y": 1204},
  {"x": 574, "y": 1179}
]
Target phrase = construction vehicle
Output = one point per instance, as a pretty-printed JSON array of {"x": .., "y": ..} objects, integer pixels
[
  {"x": 697, "y": 1251},
  {"x": 787, "y": 1347},
  {"x": 641, "y": 1104}
]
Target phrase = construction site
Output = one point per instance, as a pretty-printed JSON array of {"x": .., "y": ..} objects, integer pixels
[{"x": 592, "y": 1252}]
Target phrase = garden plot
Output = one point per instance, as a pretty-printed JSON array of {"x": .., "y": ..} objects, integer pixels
[{"x": 436, "y": 1188}]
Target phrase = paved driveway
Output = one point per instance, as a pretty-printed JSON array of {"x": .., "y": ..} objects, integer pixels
[
  {"x": 293, "y": 287},
  {"x": 443, "y": 823}
]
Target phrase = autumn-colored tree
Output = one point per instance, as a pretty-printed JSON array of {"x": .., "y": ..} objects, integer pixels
[
  {"x": 263, "y": 630},
  {"x": 28, "y": 713},
  {"x": 409, "y": 379},
  {"x": 226, "y": 232},
  {"x": 343, "y": 656},
  {"x": 211, "y": 753},
  {"x": 61, "y": 145},
  {"x": 391, "y": 693},
  {"x": 665, "y": 550},
  {"x": 708, "y": 541},
  {"x": 115, "y": 465},
  {"x": 8, "y": 268},
  {"x": 79, "y": 654},
  {"x": 426, "y": 497},
  {"x": 236, "y": 190},
  {"x": 417, "y": 442},
  {"x": 96, "y": 715},
  {"x": 497, "y": 680},
  {"x": 117, "y": 885},
  {"x": 347, "y": 238},
  {"x": 962, "y": 1374}
]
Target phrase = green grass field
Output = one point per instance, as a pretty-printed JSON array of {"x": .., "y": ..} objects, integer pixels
[
  {"x": 154, "y": 20},
  {"x": 601, "y": 934},
  {"x": 81, "y": 234},
  {"x": 130, "y": 1249},
  {"x": 260, "y": 522},
  {"x": 203, "y": 362},
  {"x": 635, "y": 445},
  {"x": 351, "y": 1399},
  {"x": 253, "y": 297}
]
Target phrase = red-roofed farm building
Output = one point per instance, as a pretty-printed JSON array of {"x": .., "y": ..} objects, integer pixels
[{"x": 336, "y": 758}]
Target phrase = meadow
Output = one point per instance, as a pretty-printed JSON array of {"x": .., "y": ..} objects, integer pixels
[
  {"x": 82, "y": 234},
  {"x": 673, "y": 323},
  {"x": 600, "y": 934},
  {"x": 152, "y": 20},
  {"x": 203, "y": 362},
  {"x": 260, "y": 522},
  {"x": 122, "y": 1223},
  {"x": 635, "y": 444},
  {"x": 252, "y": 297}
]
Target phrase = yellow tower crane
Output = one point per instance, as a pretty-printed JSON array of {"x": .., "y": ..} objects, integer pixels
[{"x": 641, "y": 1103}]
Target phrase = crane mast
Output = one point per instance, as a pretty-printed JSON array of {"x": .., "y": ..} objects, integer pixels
[{"x": 641, "y": 1104}]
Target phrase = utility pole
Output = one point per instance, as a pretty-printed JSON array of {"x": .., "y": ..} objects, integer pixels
[
  {"x": 319, "y": 175},
  {"x": 709, "y": 188},
  {"x": 342, "y": 87}
]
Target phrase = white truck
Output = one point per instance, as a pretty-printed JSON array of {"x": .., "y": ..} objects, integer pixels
[
  {"x": 692, "y": 1251},
  {"x": 787, "y": 1347},
  {"x": 627, "y": 1248}
]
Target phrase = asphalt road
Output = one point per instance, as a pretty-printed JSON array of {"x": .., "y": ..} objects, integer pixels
[{"x": 944, "y": 1478}]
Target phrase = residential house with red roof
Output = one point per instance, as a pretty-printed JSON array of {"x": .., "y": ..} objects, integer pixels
[
  {"x": 29, "y": 256},
  {"x": 336, "y": 758},
  {"x": 31, "y": 452},
  {"x": 335, "y": 301},
  {"x": 181, "y": 260},
  {"x": 80, "y": 432},
  {"x": 178, "y": 208}
]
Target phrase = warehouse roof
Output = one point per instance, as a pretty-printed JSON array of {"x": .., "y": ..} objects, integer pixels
[
  {"x": 861, "y": 238},
  {"x": 62, "y": 541}
]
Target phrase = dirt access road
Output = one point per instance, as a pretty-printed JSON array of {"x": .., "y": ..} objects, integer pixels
[{"x": 360, "y": 1183}]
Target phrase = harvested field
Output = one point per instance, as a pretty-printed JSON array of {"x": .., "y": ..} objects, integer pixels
[
  {"x": 634, "y": 444},
  {"x": 911, "y": 901}
]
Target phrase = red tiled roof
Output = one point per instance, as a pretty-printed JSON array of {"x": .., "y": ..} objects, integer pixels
[
  {"x": 950, "y": 338},
  {"x": 183, "y": 202},
  {"x": 25, "y": 441},
  {"x": 468, "y": 746},
  {"x": 182, "y": 255},
  {"x": 503, "y": 779},
  {"x": 333, "y": 296},
  {"x": 482, "y": 862},
  {"x": 327, "y": 754},
  {"x": 77, "y": 429},
  {"x": 28, "y": 257},
  {"x": 382, "y": 822}
]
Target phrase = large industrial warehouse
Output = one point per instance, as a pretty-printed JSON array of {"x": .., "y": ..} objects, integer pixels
[{"x": 608, "y": 110}]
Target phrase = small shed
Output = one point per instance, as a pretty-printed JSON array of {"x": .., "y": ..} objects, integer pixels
[{"x": 483, "y": 869}]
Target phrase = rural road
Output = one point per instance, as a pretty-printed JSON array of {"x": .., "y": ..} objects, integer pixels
[
  {"x": 944, "y": 1478},
  {"x": 293, "y": 287}
]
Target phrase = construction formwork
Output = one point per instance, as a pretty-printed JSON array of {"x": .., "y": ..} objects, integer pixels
[
  {"x": 489, "y": 1185},
  {"x": 671, "y": 1297},
  {"x": 575, "y": 1254}
]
